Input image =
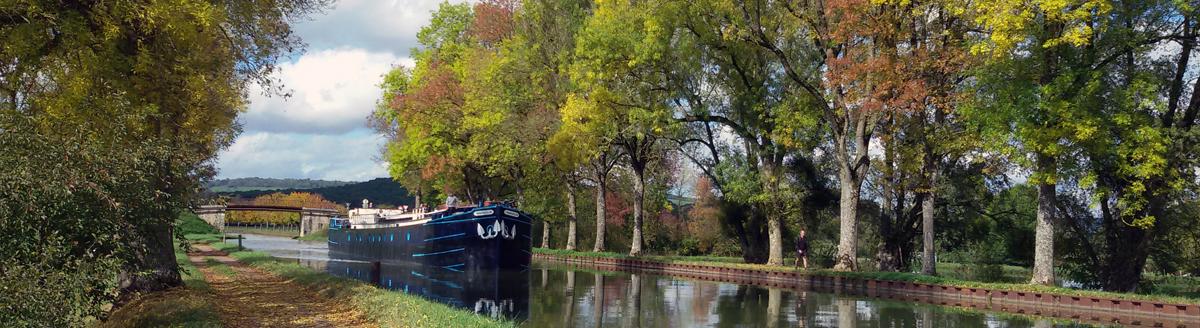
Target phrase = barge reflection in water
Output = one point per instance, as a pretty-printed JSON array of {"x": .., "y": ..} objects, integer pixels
[{"x": 499, "y": 295}]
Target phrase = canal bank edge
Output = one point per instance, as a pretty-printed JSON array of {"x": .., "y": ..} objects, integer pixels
[
  {"x": 1130, "y": 309},
  {"x": 384, "y": 307}
]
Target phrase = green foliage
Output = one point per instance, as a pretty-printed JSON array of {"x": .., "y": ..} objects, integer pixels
[
  {"x": 984, "y": 260},
  {"x": 188, "y": 223},
  {"x": 975, "y": 104},
  {"x": 71, "y": 213},
  {"x": 111, "y": 114}
]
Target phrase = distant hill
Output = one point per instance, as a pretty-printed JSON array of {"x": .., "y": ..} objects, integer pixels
[
  {"x": 380, "y": 191},
  {"x": 253, "y": 184}
]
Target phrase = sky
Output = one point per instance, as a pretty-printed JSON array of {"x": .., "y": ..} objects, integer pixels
[{"x": 320, "y": 131}]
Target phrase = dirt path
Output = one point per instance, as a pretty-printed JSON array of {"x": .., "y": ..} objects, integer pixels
[{"x": 248, "y": 297}]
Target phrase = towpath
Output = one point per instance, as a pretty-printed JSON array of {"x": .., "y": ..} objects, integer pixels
[{"x": 249, "y": 297}]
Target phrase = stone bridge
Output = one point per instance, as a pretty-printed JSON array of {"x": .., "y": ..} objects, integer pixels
[{"x": 311, "y": 219}]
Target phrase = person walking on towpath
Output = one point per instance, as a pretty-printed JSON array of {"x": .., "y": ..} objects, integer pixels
[{"x": 802, "y": 250}]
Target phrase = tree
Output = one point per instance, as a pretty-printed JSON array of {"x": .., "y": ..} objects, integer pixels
[
  {"x": 543, "y": 47},
  {"x": 741, "y": 127},
  {"x": 292, "y": 199},
  {"x": 619, "y": 71},
  {"x": 429, "y": 146},
  {"x": 1042, "y": 58},
  {"x": 704, "y": 218},
  {"x": 152, "y": 86},
  {"x": 906, "y": 63},
  {"x": 1140, "y": 164},
  {"x": 599, "y": 168},
  {"x": 848, "y": 72}
]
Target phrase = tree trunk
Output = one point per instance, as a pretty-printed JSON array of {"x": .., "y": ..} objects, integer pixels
[
  {"x": 1128, "y": 246},
  {"x": 571, "y": 217},
  {"x": 775, "y": 238},
  {"x": 895, "y": 245},
  {"x": 1043, "y": 257},
  {"x": 928, "y": 206},
  {"x": 745, "y": 223},
  {"x": 639, "y": 194},
  {"x": 1129, "y": 250},
  {"x": 774, "y": 222},
  {"x": 601, "y": 188},
  {"x": 847, "y": 254},
  {"x": 545, "y": 234},
  {"x": 154, "y": 267}
]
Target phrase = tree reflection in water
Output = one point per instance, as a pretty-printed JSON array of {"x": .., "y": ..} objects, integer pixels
[{"x": 576, "y": 297}]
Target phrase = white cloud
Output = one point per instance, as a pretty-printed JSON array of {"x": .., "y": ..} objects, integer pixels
[
  {"x": 348, "y": 157},
  {"x": 332, "y": 91},
  {"x": 319, "y": 132},
  {"x": 376, "y": 25}
]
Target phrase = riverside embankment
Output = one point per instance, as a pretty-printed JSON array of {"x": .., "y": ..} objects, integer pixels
[{"x": 1083, "y": 306}]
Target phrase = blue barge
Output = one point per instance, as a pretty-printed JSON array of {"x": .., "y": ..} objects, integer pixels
[{"x": 472, "y": 257}]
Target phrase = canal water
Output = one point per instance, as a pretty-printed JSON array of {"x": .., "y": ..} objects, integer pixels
[{"x": 566, "y": 296}]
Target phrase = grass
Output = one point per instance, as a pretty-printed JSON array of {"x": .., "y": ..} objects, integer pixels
[
  {"x": 192, "y": 277},
  {"x": 319, "y": 235},
  {"x": 219, "y": 267},
  {"x": 895, "y": 276},
  {"x": 185, "y": 306},
  {"x": 1010, "y": 273},
  {"x": 189, "y": 223},
  {"x": 387, "y": 308}
]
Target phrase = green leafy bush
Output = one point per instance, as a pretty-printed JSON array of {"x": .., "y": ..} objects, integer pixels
[{"x": 982, "y": 261}]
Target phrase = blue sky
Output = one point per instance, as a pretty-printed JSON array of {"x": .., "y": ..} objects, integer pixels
[{"x": 320, "y": 131}]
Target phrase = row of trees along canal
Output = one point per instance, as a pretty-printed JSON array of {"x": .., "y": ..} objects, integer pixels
[
  {"x": 880, "y": 126},
  {"x": 293, "y": 199},
  {"x": 110, "y": 116}
]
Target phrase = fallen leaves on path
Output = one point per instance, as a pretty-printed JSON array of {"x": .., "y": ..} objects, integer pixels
[{"x": 256, "y": 298}]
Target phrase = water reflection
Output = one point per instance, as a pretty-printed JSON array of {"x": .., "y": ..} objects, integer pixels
[
  {"x": 552, "y": 295},
  {"x": 573, "y": 297},
  {"x": 498, "y": 295},
  {"x": 495, "y": 294}
]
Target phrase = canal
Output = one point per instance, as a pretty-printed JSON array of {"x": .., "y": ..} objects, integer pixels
[{"x": 566, "y": 296}]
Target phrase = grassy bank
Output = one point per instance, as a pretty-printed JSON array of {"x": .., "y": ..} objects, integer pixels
[
  {"x": 893, "y": 276},
  {"x": 387, "y": 308},
  {"x": 319, "y": 235}
]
